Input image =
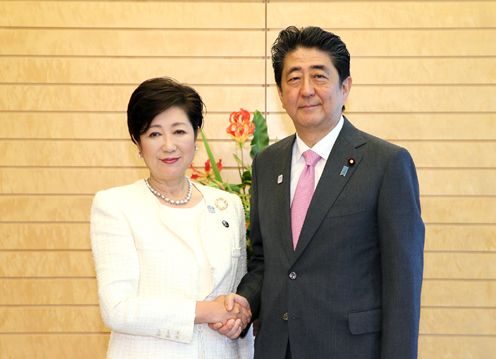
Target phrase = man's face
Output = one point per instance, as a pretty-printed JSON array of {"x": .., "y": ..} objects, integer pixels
[{"x": 311, "y": 92}]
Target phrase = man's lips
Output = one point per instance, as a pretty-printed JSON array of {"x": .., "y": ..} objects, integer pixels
[{"x": 305, "y": 107}]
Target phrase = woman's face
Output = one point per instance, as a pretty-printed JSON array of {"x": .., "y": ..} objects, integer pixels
[{"x": 168, "y": 146}]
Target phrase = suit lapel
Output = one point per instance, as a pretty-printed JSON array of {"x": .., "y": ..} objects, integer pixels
[
  {"x": 280, "y": 197},
  {"x": 332, "y": 181}
]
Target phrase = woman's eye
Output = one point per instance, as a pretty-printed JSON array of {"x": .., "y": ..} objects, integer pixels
[
  {"x": 154, "y": 134},
  {"x": 180, "y": 132}
]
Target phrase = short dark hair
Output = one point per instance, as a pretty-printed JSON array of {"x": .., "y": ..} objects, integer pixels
[
  {"x": 157, "y": 95},
  {"x": 292, "y": 38}
]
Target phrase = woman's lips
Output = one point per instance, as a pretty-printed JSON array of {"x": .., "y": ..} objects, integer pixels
[{"x": 170, "y": 160}]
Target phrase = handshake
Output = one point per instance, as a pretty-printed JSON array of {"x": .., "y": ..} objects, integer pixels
[{"x": 227, "y": 314}]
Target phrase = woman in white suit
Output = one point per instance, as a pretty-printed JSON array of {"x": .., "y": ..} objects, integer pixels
[{"x": 167, "y": 250}]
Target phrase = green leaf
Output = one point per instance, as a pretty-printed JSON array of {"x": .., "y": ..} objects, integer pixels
[
  {"x": 260, "y": 138},
  {"x": 246, "y": 177},
  {"x": 211, "y": 157}
]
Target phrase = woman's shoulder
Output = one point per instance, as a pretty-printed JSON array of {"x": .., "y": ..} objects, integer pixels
[{"x": 213, "y": 193}]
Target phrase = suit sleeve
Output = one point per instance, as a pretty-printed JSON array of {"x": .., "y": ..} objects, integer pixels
[
  {"x": 117, "y": 268},
  {"x": 251, "y": 284},
  {"x": 401, "y": 236}
]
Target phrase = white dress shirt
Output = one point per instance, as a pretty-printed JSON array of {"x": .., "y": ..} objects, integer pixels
[{"x": 322, "y": 148}]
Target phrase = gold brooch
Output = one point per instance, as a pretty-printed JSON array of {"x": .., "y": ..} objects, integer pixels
[{"x": 221, "y": 203}]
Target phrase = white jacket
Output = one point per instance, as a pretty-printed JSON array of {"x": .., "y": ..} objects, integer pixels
[{"x": 147, "y": 275}]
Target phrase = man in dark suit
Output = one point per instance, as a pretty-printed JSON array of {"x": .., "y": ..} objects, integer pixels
[{"x": 342, "y": 281}]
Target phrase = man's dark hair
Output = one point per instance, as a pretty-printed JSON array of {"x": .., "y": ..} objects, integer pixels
[{"x": 292, "y": 38}]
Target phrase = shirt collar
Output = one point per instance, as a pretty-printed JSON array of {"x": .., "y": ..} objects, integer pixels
[{"x": 324, "y": 146}]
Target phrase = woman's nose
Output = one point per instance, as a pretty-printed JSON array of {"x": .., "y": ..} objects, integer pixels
[{"x": 168, "y": 145}]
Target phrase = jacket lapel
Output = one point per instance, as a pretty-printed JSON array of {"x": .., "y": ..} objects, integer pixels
[
  {"x": 337, "y": 172},
  {"x": 283, "y": 198}
]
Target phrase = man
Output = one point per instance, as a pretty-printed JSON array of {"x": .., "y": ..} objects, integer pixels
[{"x": 341, "y": 279}]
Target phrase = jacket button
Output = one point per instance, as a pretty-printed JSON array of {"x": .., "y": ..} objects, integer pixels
[
  {"x": 292, "y": 275},
  {"x": 284, "y": 316}
]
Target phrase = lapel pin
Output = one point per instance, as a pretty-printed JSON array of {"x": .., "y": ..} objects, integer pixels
[
  {"x": 225, "y": 223},
  {"x": 279, "y": 179},
  {"x": 220, "y": 203},
  {"x": 351, "y": 162},
  {"x": 344, "y": 171},
  {"x": 211, "y": 208}
]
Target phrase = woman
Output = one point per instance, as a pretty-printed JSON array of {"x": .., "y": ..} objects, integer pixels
[{"x": 165, "y": 249}]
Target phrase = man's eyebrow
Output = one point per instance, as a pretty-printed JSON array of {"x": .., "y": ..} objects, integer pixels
[
  {"x": 313, "y": 67},
  {"x": 319, "y": 67},
  {"x": 294, "y": 69}
]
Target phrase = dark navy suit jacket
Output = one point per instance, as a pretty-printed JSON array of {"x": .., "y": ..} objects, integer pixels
[{"x": 351, "y": 289}]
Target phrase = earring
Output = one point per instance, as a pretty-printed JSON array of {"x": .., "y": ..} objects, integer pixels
[
  {"x": 140, "y": 155},
  {"x": 196, "y": 148}
]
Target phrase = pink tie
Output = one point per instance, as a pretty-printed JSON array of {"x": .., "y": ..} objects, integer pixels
[{"x": 303, "y": 194}]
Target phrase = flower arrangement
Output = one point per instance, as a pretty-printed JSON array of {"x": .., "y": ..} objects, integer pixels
[{"x": 241, "y": 128}]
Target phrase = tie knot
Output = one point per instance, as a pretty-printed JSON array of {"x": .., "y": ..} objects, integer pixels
[{"x": 311, "y": 158}]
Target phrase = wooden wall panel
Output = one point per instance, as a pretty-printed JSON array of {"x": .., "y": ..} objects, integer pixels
[
  {"x": 42, "y": 236},
  {"x": 45, "y": 208},
  {"x": 134, "y": 14},
  {"x": 46, "y": 263},
  {"x": 424, "y": 77},
  {"x": 103, "y": 70},
  {"x": 454, "y": 265},
  {"x": 128, "y": 42},
  {"x": 458, "y": 293},
  {"x": 461, "y": 237},
  {"x": 456, "y": 347},
  {"x": 51, "y": 319},
  {"x": 382, "y": 14},
  {"x": 458, "y": 321},
  {"x": 52, "y": 291},
  {"x": 467, "y": 210},
  {"x": 42, "y": 346},
  {"x": 454, "y": 182}
]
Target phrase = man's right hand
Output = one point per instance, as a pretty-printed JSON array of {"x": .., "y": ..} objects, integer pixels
[{"x": 233, "y": 327}]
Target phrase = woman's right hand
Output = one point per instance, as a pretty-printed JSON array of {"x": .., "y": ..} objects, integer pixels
[{"x": 215, "y": 312}]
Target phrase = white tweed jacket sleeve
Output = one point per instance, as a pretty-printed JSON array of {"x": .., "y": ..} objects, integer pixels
[{"x": 169, "y": 316}]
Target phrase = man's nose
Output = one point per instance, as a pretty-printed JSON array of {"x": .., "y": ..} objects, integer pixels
[{"x": 307, "y": 88}]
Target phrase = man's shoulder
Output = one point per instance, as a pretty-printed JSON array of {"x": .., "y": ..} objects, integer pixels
[
  {"x": 372, "y": 141},
  {"x": 278, "y": 148}
]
